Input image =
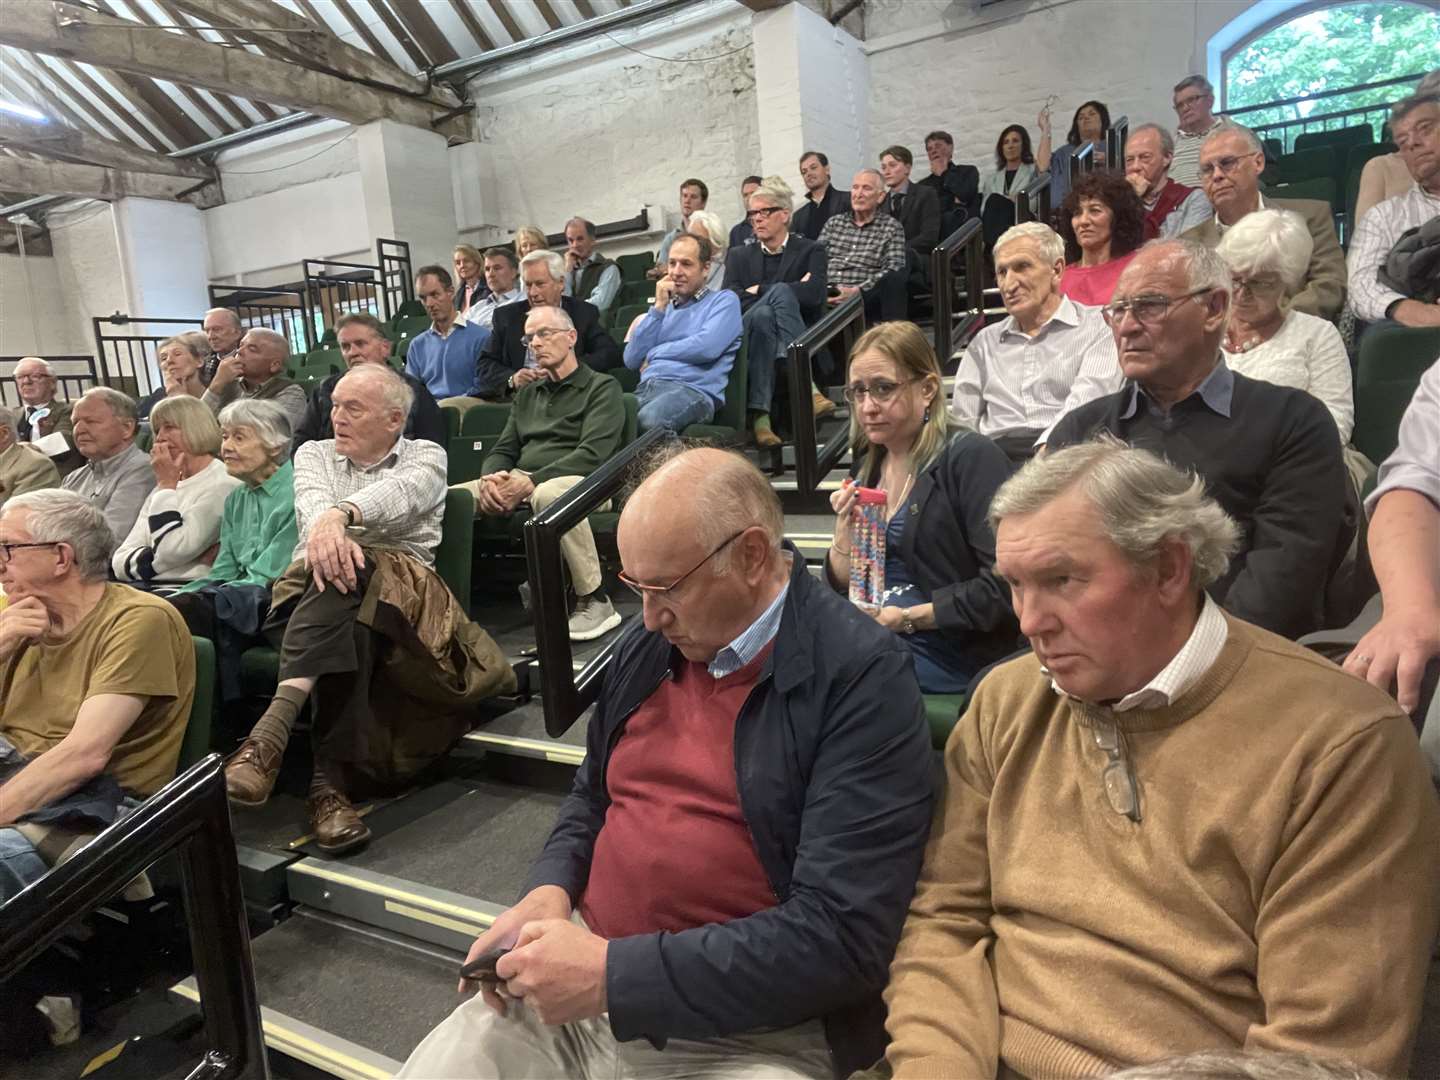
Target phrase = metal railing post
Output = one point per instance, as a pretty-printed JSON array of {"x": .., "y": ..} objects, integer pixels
[{"x": 845, "y": 320}]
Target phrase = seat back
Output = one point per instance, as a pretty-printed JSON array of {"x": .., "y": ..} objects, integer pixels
[
  {"x": 633, "y": 267},
  {"x": 1321, "y": 188},
  {"x": 410, "y": 309},
  {"x": 196, "y": 743},
  {"x": 451, "y": 415},
  {"x": 729, "y": 419},
  {"x": 1340, "y": 138},
  {"x": 457, "y": 536},
  {"x": 464, "y": 457},
  {"x": 1315, "y": 162},
  {"x": 487, "y": 418},
  {"x": 323, "y": 361},
  {"x": 1392, "y": 359},
  {"x": 631, "y": 431},
  {"x": 1355, "y": 166}
]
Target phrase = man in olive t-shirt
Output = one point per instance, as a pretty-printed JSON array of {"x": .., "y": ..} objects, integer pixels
[{"x": 96, "y": 679}]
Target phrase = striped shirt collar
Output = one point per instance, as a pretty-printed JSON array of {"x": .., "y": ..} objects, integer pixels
[
  {"x": 751, "y": 640},
  {"x": 1066, "y": 313},
  {"x": 680, "y": 301}
]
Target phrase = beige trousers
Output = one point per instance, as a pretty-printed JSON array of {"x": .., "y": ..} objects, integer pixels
[{"x": 577, "y": 546}]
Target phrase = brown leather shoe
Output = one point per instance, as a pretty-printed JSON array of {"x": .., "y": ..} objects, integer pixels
[
  {"x": 766, "y": 439},
  {"x": 823, "y": 405},
  {"x": 336, "y": 825},
  {"x": 250, "y": 773}
]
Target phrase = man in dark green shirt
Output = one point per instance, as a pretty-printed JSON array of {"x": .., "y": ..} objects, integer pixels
[{"x": 561, "y": 428}]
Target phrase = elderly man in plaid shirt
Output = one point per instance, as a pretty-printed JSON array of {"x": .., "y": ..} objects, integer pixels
[{"x": 866, "y": 249}]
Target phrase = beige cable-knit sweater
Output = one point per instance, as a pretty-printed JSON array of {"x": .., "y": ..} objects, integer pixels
[{"x": 1281, "y": 890}]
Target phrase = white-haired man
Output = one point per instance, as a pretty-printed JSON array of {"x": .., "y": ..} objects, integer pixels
[
  {"x": 589, "y": 275},
  {"x": 22, "y": 467},
  {"x": 96, "y": 683},
  {"x": 1194, "y": 102},
  {"x": 368, "y": 508},
  {"x": 866, "y": 251},
  {"x": 1163, "y": 830},
  {"x": 254, "y": 370},
  {"x": 117, "y": 476},
  {"x": 1171, "y": 207},
  {"x": 44, "y": 420},
  {"x": 1051, "y": 355},
  {"x": 1270, "y": 454},
  {"x": 223, "y": 330}
]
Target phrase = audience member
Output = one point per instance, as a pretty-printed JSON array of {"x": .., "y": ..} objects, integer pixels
[
  {"x": 694, "y": 194},
  {"x": 506, "y": 363},
  {"x": 254, "y": 371},
  {"x": 530, "y": 238},
  {"x": 707, "y": 223},
  {"x": 44, "y": 421},
  {"x": 686, "y": 344},
  {"x": 1088, "y": 128},
  {"x": 1387, "y": 175},
  {"x": 223, "y": 330},
  {"x": 1102, "y": 224},
  {"x": 770, "y": 741},
  {"x": 1109, "y": 882},
  {"x": 1014, "y": 165},
  {"x": 362, "y": 340},
  {"x": 1171, "y": 207},
  {"x": 1270, "y": 455},
  {"x": 941, "y": 595},
  {"x": 470, "y": 284},
  {"x": 865, "y": 250},
  {"x": 22, "y": 467},
  {"x": 368, "y": 506},
  {"x": 562, "y": 428},
  {"x": 1022, "y": 374},
  {"x": 445, "y": 356},
  {"x": 180, "y": 358},
  {"x": 97, "y": 681},
  {"x": 1381, "y": 285},
  {"x": 1194, "y": 101},
  {"x": 1231, "y": 161},
  {"x": 117, "y": 476},
  {"x": 916, "y": 208},
  {"x": 1267, "y": 253},
  {"x": 589, "y": 276},
  {"x": 741, "y": 233},
  {"x": 175, "y": 534},
  {"x": 230, "y": 602},
  {"x": 956, "y": 186},
  {"x": 780, "y": 280},
  {"x": 822, "y": 201},
  {"x": 502, "y": 278}
]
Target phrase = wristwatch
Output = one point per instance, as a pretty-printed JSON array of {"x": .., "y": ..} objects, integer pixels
[
  {"x": 349, "y": 512},
  {"x": 907, "y": 624}
]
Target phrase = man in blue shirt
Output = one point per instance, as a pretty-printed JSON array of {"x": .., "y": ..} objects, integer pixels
[
  {"x": 685, "y": 345},
  {"x": 444, "y": 357}
]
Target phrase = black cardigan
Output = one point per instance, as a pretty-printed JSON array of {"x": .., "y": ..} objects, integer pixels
[{"x": 949, "y": 548}]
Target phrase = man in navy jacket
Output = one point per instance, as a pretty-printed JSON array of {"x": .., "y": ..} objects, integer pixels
[{"x": 728, "y": 878}]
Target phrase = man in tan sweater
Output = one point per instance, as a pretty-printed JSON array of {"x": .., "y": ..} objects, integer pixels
[{"x": 1167, "y": 830}]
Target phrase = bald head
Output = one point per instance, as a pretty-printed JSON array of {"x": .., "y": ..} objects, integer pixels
[{"x": 709, "y": 494}]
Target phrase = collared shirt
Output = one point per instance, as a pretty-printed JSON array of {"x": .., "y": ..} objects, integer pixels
[
  {"x": 752, "y": 639},
  {"x": 1376, "y": 234},
  {"x": 1185, "y": 166},
  {"x": 1415, "y": 463},
  {"x": 118, "y": 486},
  {"x": 1215, "y": 392},
  {"x": 1009, "y": 381},
  {"x": 860, "y": 254},
  {"x": 401, "y": 498},
  {"x": 605, "y": 290},
  {"x": 1191, "y": 212},
  {"x": 482, "y": 312},
  {"x": 1222, "y": 228},
  {"x": 290, "y": 398}
]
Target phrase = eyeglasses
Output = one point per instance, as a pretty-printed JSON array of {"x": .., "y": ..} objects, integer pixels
[
  {"x": 33, "y": 377},
  {"x": 662, "y": 592},
  {"x": 544, "y": 333},
  {"x": 1186, "y": 102},
  {"x": 6, "y": 549},
  {"x": 1146, "y": 309},
  {"x": 762, "y": 212},
  {"x": 880, "y": 391},
  {"x": 1225, "y": 165},
  {"x": 1256, "y": 286},
  {"x": 1118, "y": 777}
]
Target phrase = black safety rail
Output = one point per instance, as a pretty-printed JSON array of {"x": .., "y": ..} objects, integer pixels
[
  {"x": 333, "y": 289},
  {"x": 845, "y": 321},
  {"x": 968, "y": 242},
  {"x": 639, "y": 223},
  {"x": 1033, "y": 204},
  {"x": 1081, "y": 162},
  {"x": 1115, "y": 140},
  {"x": 190, "y": 817},
  {"x": 281, "y": 308},
  {"x": 128, "y": 361},
  {"x": 563, "y": 694},
  {"x": 74, "y": 375},
  {"x": 395, "y": 272}
]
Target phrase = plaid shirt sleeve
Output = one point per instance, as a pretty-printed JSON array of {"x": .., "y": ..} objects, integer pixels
[{"x": 1374, "y": 236}]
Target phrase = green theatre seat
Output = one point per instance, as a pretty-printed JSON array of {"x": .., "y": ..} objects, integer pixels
[
  {"x": 625, "y": 314},
  {"x": 487, "y": 418},
  {"x": 1392, "y": 359},
  {"x": 634, "y": 267},
  {"x": 728, "y": 423},
  {"x": 636, "y": 292},
  {"x": 144, "y": 438},
  {"x": 943, "y": 713},
  {"x": 1317, "y": 162},
  {"x": 451, "y": 415},
  {"x": 465, "y": 455},
  {"x": 410, "y": 309},
  {"x": 325, "y": 361},
  {"x": 196, "y": 743},
  {"x": 411, "y": 326}
]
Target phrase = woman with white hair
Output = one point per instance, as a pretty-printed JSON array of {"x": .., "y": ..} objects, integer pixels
[
  {"x": 706, "y": 223},
  {"x": 174, "y": 536},
  {"x": 181, "y": 359},
  {"x": 1267, "y": 252}
]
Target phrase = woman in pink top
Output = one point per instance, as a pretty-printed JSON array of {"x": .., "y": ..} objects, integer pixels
[{"x": 1102, "y": 223}]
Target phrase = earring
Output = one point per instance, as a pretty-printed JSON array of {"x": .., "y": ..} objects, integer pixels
[{"x": 926, "y": 418}]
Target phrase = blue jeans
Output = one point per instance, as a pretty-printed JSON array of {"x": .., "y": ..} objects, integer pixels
[
  {"x": 674, "y": 405},
  {"x": 20, "y": 863},
  {"x": 771, "y": 324}
]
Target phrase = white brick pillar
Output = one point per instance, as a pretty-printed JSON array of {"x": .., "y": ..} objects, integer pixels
[{"x": 405, "y": 180}]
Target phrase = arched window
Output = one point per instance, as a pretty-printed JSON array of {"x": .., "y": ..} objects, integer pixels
[{"x": 1320, "y": 54}]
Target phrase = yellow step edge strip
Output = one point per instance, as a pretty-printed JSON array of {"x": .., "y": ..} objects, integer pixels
[
  {"x": 442, "y": 921},
  {"x": 363, "y": 885},
  {"x": 572, "y": 756}
]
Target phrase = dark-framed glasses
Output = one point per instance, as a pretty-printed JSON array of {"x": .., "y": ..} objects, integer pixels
[
  {"x": 1224, "y": 166},
  {"x": 880, "y": 391},
  {"x": 7, "y": 549},
  {"x": 1260, "y": 285},
  {"x": 662, "y": 592},
  {"x": 1118, "y": 777},
  {"x": 1146, "y": 309},
  {"x": 762, "y": 212},
  {"x": 544, "y": 333}
]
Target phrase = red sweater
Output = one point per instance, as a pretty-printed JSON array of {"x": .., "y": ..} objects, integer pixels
[{"x": 675, "y": 851}]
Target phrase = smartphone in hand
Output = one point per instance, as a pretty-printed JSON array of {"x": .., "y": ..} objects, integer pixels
[{"x": 482, "y": 968}]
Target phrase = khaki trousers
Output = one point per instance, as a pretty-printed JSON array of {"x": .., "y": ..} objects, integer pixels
[{"x": 577, "y": 547}]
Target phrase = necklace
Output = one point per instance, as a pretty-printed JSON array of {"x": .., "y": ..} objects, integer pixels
[{"x": 892, "y": 505}]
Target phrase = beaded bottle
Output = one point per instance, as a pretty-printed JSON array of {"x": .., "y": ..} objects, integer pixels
[{"x": 867, "y": 549}]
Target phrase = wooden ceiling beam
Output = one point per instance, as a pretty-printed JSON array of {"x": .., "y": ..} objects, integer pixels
[
  {"x": 507, "y": 20},
  {"x": 232, "y": 104},
  {"x": 548, "y": 14},
  {"x": 417, "y": 20},
  {"x": 401, "y": 34},
  {"x": 91, "y": 181},
  {"x": 472, "y": 24},
  {"x": 84, "y": 148}
]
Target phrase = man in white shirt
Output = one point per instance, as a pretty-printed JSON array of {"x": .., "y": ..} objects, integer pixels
[
  {"x": 1416, "y": 126},
  {"x": 502, "y": 277},
  {"x": 1021, "y": 375},
  {"x": 1194, "y": 103}
]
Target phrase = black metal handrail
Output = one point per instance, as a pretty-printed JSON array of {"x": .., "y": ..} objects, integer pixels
[
  {"x": 189, "y": 816},
  {"x": 563, "y": 695},
  {"x": 846, "y": 320},
  {"x": 69, "y": 383},
  {"x": 124, "y": 372},
  {"x": 1115, "y": 140},
  {"x": 1033, "y": 204},
  {"x": 1081, "y": 162},
  {"x": 639, "y": 223},
  {"x": 969, "y": 238},
  {"x": 282, "y": 308},
  {"x": 363, "y": 287},
  {"x": 396, "y": 273}
]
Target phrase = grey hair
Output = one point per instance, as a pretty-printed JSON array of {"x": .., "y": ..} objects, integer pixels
[
  {"x": 552, "y": 260},
  {"x": 873, "y": 172},
  {"x": 1167, "y": 143},
  {"x": 1229, "y": 127},
  {"x": 584, "y": 223},
  {"x": 772, "y": 197},
  {"x": 1269, "y": 239},
  {"x": 44, "y": 364},
  {"x": 1141, "y": 499},
  {"x": 555, "y": 314},
  {"x": 1405, "y": 106},
  {"x": 9, "y": 423},
  {"x": 1244, "y": 1065},
  {"x": 395, "y": 393},
  {"x": 122, "y": 405},
  {"x": 276, "y": 340},
  {"x": 1430, "y": 84},
  {"x": 57, "y": 516},
  {"x": 1052, "y": 247},
  {"x": 234, "y": 315},
  {"x": 1204, "y": 268},
  {"x": 719, "y": 238},
  {"x": 269, "y": 422},
  {"x": 1197, "y": 81}
]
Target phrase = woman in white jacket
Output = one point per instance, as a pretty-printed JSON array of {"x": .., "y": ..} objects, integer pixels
[{"x": 175, "y": 535}]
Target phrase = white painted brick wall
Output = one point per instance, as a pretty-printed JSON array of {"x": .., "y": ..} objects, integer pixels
[
  {"x": 88, "y": 262},
  {"x": 47, "y": 329}
]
